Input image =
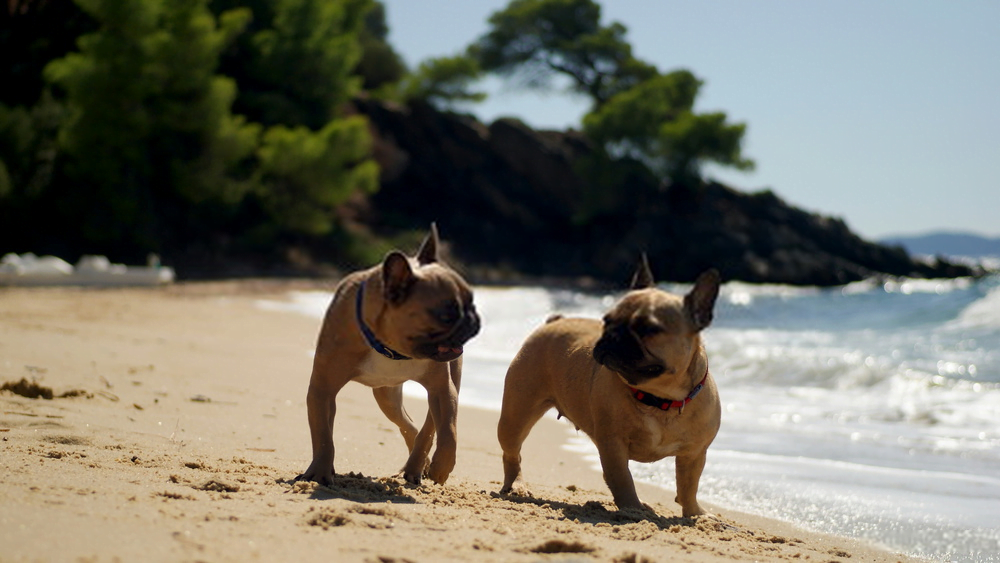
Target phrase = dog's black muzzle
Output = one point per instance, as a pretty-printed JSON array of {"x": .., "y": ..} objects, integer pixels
[
  {"x": 620, "y": 351},
  {"x": 450, "y": 346}
]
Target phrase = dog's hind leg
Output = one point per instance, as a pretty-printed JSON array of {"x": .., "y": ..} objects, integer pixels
[
  {"x": 390, "y": 400},
  {"x": 517, "y": 418}
]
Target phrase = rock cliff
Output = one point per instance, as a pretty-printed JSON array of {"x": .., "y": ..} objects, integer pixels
[{"x": 514, "y": 201}]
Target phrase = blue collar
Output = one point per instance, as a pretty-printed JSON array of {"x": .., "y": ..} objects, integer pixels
[{"x": 375, "y": 343}]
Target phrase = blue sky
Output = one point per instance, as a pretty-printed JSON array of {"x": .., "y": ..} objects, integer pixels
[{"x": 881, "y": 112}]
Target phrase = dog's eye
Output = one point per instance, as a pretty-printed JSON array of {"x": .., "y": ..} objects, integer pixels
[
  {"x": 447, "y": 315},
  {"x": 645, "y": 330}
]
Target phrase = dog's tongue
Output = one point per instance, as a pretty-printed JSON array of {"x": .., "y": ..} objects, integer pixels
[{"x": 447, "y": 350}]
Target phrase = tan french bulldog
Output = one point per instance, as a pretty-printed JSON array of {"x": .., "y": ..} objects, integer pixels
[
  {"x": 403, "y": 320},
  {"x": 637, "y": 384}
]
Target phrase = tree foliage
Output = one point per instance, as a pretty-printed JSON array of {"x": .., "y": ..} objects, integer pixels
[
  {"x": 305, "y": 62},
  {"x": 380, "y": 64},
  {"x": 655, "y": 123},
  {"x": 149, "y": 129},
  {"x": 537, "y": 40},
  {"x": 305, "y": 175},
  {"x": 444, "y": 81},
  {"x": 32, "y": 33},
  {"x": 28, "y": 151},
  {"x": 638, "y": 114},
  {"x": 144, "y": 145}
]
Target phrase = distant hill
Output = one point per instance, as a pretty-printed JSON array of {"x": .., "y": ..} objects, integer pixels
[{"x": 947, "y": 244}]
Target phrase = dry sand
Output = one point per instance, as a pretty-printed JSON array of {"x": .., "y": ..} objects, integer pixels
[{"x": 178, "y": 421}]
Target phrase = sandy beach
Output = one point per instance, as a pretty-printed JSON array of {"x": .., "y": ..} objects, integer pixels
[{"x": 177, "y": 423}]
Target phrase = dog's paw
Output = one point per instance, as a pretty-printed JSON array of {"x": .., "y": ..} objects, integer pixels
[
  {"x": 324, "y": 478},
  {"x": 438, "y": 474},
  {"x": 412, "y": 478},
  {"x": 516, "y": 489},
  {"x": 441, "y": 466}
]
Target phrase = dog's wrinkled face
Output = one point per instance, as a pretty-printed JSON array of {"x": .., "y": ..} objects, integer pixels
[
  {"x": 429, "y": 312},
  {"x": 651, "y": 333},
  {"x": 437, "y": 317}
]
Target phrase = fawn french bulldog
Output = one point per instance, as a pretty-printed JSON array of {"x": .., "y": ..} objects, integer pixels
[
  {"x": 404, "y": 319},
  {"x": 612, "y": 380}
]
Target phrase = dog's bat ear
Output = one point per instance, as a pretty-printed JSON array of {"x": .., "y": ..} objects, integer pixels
[
  {"x": 643, "y": 277},
  {"x": 700, "y": 301},
  {"x": 428, "y": 252},
  {"x": 397, "y": 277}
]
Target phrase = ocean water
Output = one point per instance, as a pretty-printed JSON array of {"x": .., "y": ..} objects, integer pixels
[{"x": 870, "y": 411}]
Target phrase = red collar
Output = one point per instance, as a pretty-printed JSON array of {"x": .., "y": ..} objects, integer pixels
[{"x": 667, "y": 404}]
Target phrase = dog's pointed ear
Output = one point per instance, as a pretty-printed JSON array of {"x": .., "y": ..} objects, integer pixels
[
  {"x": 643, "y": 276},
  {"x": 428, "y": 252},
  {"x": 700, "y": 301},
  {"x": 397, "y": 277}
]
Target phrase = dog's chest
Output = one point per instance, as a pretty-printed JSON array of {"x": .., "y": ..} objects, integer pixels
[
  {"x": 378, "y": 371},
  {"x": 654, "y": 439}
]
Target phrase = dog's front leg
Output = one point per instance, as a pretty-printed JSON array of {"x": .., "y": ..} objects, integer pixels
[
  {"x": 614, "y": 461},
  {"x": 321, "y": 402},
  {"x": 688, "y": 469},
  {"x": 442, "y": 397}
]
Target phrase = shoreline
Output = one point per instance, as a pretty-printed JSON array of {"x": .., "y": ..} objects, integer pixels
[{"x": 192, "y": 423}]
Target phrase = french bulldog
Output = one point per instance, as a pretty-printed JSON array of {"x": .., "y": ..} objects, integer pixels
[
  {"x": 406, "y": 319},
  {"x": 636, "y": 383}
]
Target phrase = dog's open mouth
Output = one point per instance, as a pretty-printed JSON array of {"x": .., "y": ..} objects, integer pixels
[{"x": 447, "y": 353}]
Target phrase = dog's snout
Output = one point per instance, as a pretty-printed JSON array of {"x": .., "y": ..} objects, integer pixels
[
  {"x": 608, "y": 343},
  {"x": 470, "y": 323},
  {"x": 618, "y": 348}
]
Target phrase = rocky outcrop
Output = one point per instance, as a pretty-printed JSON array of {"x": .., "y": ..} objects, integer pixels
[{"x": 512, "y": 200}]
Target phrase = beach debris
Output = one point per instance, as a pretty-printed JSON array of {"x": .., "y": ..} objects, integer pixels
[
  {"x": 560, "y": 546},
  {"x": 632, "y": 558},
  {"x": 33, "y": 415},
  {"x": 31, "y": 270},
  {"x": 217, "y": 486},
  {"x": 327, "y": 519},
  {"x": 32, "y": 390},
  {"x": 109, "y": 396},
  {"x": 201, "y": 399},
  {"x": 28, "y": 389},
  {"x": 174, "y": 496}
]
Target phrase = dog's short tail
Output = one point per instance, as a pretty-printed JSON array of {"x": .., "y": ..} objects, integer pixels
[{"x": 555, "y": 317}]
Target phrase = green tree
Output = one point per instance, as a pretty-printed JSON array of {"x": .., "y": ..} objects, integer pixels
[
  {"x": 17, "y": 135},
  {"x": 444, "y": 81},
  {"x": 32, "y": 33},
  {"x": 536, "y": 40},
  {"x": 638, "y": 114},
  {"x": 28, "y": 147},
  {"x": 305, "y": 175},
  {"x": 380, "y": 65},
  {"x": 301, "y": 75},
  {"x": 655, "y": 123},
  {"x": 149, "y": 131},
  {"x": 297, "y": 67}
]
